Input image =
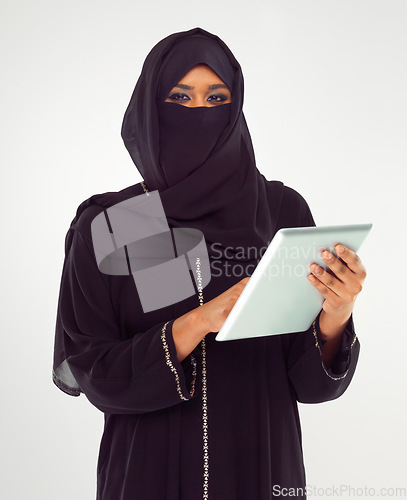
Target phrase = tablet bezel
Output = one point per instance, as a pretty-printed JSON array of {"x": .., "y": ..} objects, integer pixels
[{"x": 308, "y": 299}]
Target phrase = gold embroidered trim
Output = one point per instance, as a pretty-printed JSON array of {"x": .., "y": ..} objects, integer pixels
[
  {"x": 145, "y": 188},
  {"x": 169, "y": 362},
  {"x": 193, "y": 361},
  {"x": 204, "y": 394},
  {"x": 314, "y": 331}
]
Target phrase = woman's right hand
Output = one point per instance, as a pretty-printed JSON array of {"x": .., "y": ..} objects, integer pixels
[{"x": 213, "y": 314}]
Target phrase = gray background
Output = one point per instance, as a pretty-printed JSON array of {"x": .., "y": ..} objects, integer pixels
[{"x": 326, "y": 106}]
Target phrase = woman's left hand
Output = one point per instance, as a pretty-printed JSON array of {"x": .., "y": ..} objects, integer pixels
[{"x": 341, "y": 288}]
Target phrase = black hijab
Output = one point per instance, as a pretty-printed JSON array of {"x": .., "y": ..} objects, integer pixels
[{"x": 201, "y": 160}]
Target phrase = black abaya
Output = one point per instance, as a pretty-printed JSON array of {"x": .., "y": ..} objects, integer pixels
[
  {"x": 152, "y": 445},
  {"x": 171, "y": 432}
]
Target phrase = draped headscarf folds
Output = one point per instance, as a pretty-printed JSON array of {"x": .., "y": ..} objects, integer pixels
[{"x": 225, "y": 196}]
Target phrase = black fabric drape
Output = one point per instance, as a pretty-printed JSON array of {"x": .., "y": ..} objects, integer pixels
[{"x": 225, "y": 196}]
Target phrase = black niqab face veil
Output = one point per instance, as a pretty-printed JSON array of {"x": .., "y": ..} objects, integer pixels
[
  {"x": 200, "y": 159},
  {"x": 187, "y": 137}
]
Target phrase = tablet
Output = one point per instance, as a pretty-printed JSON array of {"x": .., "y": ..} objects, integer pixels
[{"x": 278, "y": 298}]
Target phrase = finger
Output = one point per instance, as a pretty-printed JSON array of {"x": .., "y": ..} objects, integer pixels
[
  {"x": 328, "y": 293},
  {"x": 350, "y": 257},
  {"x": 329, "y": 280},
  {"x": 338, "y": 267},
  {"x": 340, "y": 289},
  {"x": 353, "y": 281}
]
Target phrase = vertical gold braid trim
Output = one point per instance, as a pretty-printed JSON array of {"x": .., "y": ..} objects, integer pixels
[
  {"x": 314, "y": 331},
  {"x": 204, "y": 394}
]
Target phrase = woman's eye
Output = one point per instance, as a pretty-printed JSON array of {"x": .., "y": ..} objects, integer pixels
[
  {"x": 219, "y": 97},
  {"x": 174, "y": 97}
]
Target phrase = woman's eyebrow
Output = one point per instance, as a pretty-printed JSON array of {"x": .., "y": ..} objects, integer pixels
[{"x": 210, "y": 87}]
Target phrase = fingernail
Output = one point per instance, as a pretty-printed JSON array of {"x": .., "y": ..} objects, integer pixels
[{"x": 339, "y": 248}]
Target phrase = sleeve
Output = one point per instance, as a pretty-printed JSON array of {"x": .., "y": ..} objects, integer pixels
[
  {"x": 138, "y": 375},
  {"x": 312, "y": 381}
]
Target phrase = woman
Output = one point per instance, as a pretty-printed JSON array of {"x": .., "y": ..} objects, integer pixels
[{"x": 187, "y": 417}]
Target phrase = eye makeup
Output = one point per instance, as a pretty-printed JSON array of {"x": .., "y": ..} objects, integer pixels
[{"x": 177, "y": 96}]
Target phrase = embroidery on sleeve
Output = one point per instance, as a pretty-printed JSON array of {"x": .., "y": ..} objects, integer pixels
[
  {"x": 314, "y": 331},
  {"x": 172, "y": 367}
]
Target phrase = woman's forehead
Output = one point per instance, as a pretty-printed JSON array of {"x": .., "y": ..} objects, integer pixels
[
  {"x": 202, "y": 69},
  {"x": 186, "y": 54}
]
